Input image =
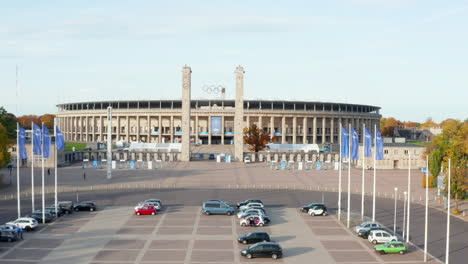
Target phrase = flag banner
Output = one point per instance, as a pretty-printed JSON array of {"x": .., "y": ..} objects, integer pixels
[
  {"x": 379, "y": 155},
  {"x": 59, "y": 138},
  {"x": 354, "y": 145},
  {"x": 22, "y": 143},
  {"x": 344, "y": 143},
  {"x": 367, "y": 144},
  {"x": 46, "y": 142},
  {"x": 37, "y": 134}
]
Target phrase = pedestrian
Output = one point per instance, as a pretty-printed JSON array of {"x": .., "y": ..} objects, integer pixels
[
  {"x": 84, "y": 176},
  {"x": 20, "y": 232},
  {"x": 10, "y": 168},
  {"x": 48, "y": 171}
]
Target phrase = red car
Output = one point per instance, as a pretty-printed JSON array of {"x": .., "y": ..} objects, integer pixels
[{"x": 146, "y": 210}]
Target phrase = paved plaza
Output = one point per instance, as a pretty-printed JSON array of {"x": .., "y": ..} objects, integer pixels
[{"x": 181, "y": 234}]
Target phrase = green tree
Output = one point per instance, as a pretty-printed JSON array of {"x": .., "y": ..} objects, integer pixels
[
  {"x": 452, "y": 144},
  {"x": 5, "y": 156},
  {"x": 254, "y": 137},
  {"x": 8, "y": 121}
]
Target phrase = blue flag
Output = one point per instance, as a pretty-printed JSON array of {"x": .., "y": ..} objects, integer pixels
[
  {"x": 22, "y": 143},
  {"x": 46, "y": 142},
  {"x": 37, "y": 136},
  {"x": 344, "y": 143},
  {"x": 367, "y": 144},
  {"x": 355, "y": 145},
  {"x": 379, "y": 146},
  {"x": 59, "y": 138}
]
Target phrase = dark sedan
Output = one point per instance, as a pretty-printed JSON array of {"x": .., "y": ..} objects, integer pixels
[
  {"x": 38, "y": 216},
  {"x": 254, "y": 237},
  {"x": 85, "y": 206},
  {"x": 364, "y": 233}
]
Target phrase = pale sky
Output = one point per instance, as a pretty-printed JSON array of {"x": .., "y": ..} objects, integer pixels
[{"x": 409, "y": 57}]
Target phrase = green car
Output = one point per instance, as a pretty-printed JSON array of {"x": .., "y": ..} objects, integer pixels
[{"x": 391, "y": 247}]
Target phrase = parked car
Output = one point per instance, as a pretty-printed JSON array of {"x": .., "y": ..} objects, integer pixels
[
  {"x": 263, "y": 249},
  {"x": 67, "y": 206},
  {"x": 258, "y": 220},
  {"x": 38, "y": 216},
  {"x": 251, "y": 205},
  {"x": 251, "y": 210},
  {"x": 254, "y": 237},
  {"x": 156, "y": 205},
  {"x": 364, "y": 232},
  {"x": 85, "y": 206},
  {"x": 216, "y": 207},
  {"x": 391, "y": 247},
  {"x": 366, "y": 225},
  {"x": 146, "y": 210},
  {"x": 305, "y": 208},
  {"x": 239, "y": 204},
  {"x": 265, "y": 218},
  {"x": 26, "y": 223},
  {"x": 153, "y": 200},
  {"x": 8, "y": 235},
  {"x": 247, "y": 160},
  {"x": 319, "y": 209},
  {"x": 51, "y": 210},
  {"x": 380, "y": 236}
]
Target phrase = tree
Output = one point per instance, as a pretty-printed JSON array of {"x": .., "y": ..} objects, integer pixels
[
  {"x": 429, "y": 123},
  {"x": 5, "y": 156},
  {"x": 452, "y": 144},
  {"x": 48, "y": 120},
  {"x": 8, "y": 121},
  {"x": 387, "y": 126},
  {"x": 26, "y": 120},
  {"x": 254, "y": 137}
]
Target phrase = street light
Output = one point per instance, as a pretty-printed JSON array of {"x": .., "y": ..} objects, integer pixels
[
  {"x": 394, "y": 214},
  {"x": 404, "y": 214}
]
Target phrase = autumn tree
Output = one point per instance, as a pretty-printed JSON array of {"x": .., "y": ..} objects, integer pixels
[
  {"x": 452, "y": 144},
  {"x": 48, "y": 120},
  {"x": 387, "y": 126},
  {"x": 255, "y": 138},
  {"x": 5, "y": 156},
  {"x": 26, "y": 120}
]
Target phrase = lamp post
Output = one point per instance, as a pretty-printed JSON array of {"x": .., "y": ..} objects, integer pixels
[
  {"x": 394, "y": 214},
  {"x": 404, "y": 214}
]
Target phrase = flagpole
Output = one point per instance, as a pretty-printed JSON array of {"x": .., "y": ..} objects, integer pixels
[
  {"x": 339, "y": 174},
  {"x": 373, "y": 187},
  {"x": 17, "y": 169},
  {"x": 32, "y": 165},
  {"x": 447, "y": 245},
  {"x": 426, "y": 209},
  {"x": 55, "y": 165},
  {"x": 409, "y": 198},
  {"x": 363, "y": 165},
  {"x": 349, "y": 177},
  {"x": 43, "y": 194}
]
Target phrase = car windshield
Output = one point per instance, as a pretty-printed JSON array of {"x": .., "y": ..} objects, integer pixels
[{"x": 387, "y": 244}]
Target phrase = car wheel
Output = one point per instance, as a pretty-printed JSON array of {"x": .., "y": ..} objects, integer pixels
[
  {"x": 244, "y": 242},
  {"x": 274, "y": 256},
  {"x": 402, "y": 252},
  {"x": 138, "y": 213},
  {"x": 243, "y": 224},
  {"x": 207, "y": 213},
  {"x": 91, "y": 209},
  {"x": 10, "y": 240},
  {"x": 312, "y": 214},
  {"x": 28, "y": 228},
  {"x": 228, "y": 213},
  {"x": 260, "y": 225},
  {"x": 76, "y": 209},
  {"x": 393, "y": 240},
  {"x": 249, "y": 256},
  {"x": 382, "y": 252},
  {"x": 374, "y": 241},
  {"x": 152, "y": 213}
]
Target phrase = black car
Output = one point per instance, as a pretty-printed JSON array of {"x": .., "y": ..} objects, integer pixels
[
  {"x": 239, "y": 204},
  {"x": 51, "y": 210},
  {"x": 38, "y": 216},
  {"x": 67, "y": 206},
  {"x": 306, "y": 208},
  {"x": 263, "y": 249},
  {"x": 85, "y": 206},
  {"x": 254, "y": 237},
  {"x": 8, "y": 235},
  {"x": 364, "y": 233}
]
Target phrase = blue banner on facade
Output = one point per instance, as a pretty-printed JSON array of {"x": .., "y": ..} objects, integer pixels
[{"x": 215, "y": 125}]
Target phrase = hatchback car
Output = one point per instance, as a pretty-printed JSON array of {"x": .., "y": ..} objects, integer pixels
[
  {"x": 153, "y": 200},
  {"x": 318, "y": 209},
  {"x": 85, "y": 206},
  {"x": 364, "y": 232},
  {"x": 391, "y": 247},
  {"x": 38, "y": 216},
  {"x": 156, "y": 205},
  {"x": 305, "y": 208},
  {"x": 254, "y": 237},
  {"x": 26, "y": 223},
  {"x": 263, "y": 249},
  {"x": 146, "y": 210},
  {"x": 8, "y": 235},
  {"x": 380, "y": 236},
  {"x": 239, "y": 204},
  {"x": 67, "y": 206},
  {"x": 240, "y": 214},
  {"x": 216, "y": 207},
  {"x": 51, "y": 210},
  {"x": 366, "y": 225},
  {"x": 255, "y": 220},
  {"x": 251, "y": 205}
]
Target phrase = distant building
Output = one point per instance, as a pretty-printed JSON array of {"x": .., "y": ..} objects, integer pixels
[{"x": 416, "y": 134}]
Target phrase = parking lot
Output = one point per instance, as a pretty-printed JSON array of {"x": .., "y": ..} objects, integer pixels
[{"x": 180, "y": 234}]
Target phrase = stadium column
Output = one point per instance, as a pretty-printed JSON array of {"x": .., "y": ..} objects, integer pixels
[
  {"x": 186, "y": 97},
  {"x": 324, "y": 124},
  {"x": 148, "y": 125},
  {"x": 128, "y": 129},
  {"x": 80, "y": 120},
  {"x": 304, "y": 131},
  {"x": 101, "y": 128},
  {"x": 93, "y": 129},
  {"x": 209, "y": 129},
  {"x": 160, "y": 129},
  {"x": 138, "y": 128},
  {"x": 222, "y": 130},
  {"x": 118, "y": 129},
  {"x": 314, "y": 131},
  {"x": 272, "y": 127},
  {"x": 294, "y": 130},
  {"x": 86, "y": 128},
  {"x": 239, "y": 115},
  {"x": 197, "y": 133},
  {"x": 260, "y": 125},
  {"x": 283, "y": 130},
  {"x": 332, "y": 132},
  {"x": 171, "y": 128}
]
